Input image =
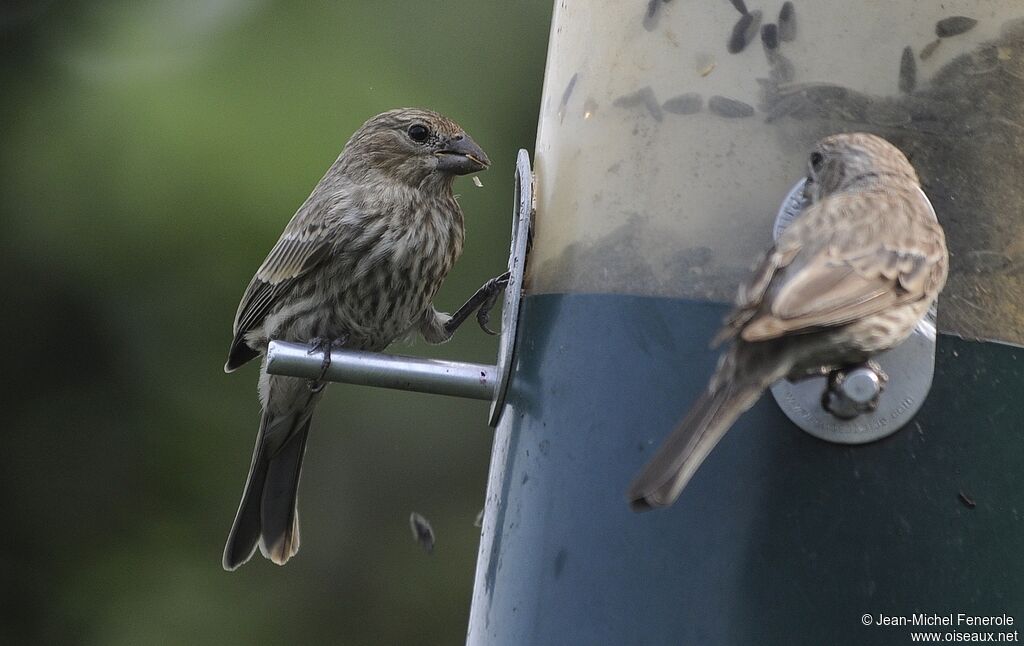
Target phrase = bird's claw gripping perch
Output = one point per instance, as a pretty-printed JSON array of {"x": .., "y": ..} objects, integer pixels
[
  {"x": 495, "y": 286},
  {"x": 326, "y": 346},
  {"x": 482, "y": 302}
]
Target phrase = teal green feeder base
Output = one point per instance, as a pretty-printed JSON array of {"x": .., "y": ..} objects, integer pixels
[{"x": 780, "y": 538}]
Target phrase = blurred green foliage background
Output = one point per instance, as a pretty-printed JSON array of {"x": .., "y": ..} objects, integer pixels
[{"x": 151, "y": 154}]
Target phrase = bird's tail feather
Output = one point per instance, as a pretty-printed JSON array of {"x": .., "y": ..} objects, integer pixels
[
  {"x": 245, "y": 531},
  {"x": 664, "y": 476},
  {"x": 279, "y": 532},
  {"x": 267, "y": 515}
]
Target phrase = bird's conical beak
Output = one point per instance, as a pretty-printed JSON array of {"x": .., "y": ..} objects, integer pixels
[{"x": 462, "y": 156}]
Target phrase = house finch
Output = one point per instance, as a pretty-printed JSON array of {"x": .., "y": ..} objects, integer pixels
[
  {"x": 851, "y": 276},
  {"x": 356, "y": 267}
]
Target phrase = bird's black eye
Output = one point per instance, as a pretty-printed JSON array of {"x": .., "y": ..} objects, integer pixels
[
  {"x": 817, "y": 159},
  {"x": 418, "y": 133}
]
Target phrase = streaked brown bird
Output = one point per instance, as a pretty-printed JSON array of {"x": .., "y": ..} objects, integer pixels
[
  {"x": 850, "y": 277},
  {"x": 357, "y": 267}
]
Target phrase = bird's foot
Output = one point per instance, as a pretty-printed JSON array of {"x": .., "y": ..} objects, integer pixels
[
  {"x": 494, "y": 287},
  {"x": 883, "y": 378},
  {"x": 326, "y": 346},
  {"x": 483, "y": 301}
]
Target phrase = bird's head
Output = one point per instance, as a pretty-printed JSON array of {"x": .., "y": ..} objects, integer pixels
[
  {"x": 844, "y": 161},
  {"x": 413, "y": 146}
]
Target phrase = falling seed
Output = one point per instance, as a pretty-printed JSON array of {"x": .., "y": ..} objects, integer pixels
[
  {"x": 422, "y": 532},
  {"x": 929, "y": 49},
  {"x": 729, "y": 108},
  {"x": 967, "y": 500},
  {"x": 707, "y": 69},
  {"x": 589, "y": 107},
  {"x": 954, "y": 26},
  {"x": 908, "y": 71},
  {"x": 744, "y": 31},
  {"x": 477, "y": 182},
  {"x": 689, "y": 103},
  {"x": 787, "y": 22},
  {"x": 740, "y": 6},
  {"x": 565, "y": 96},
  {"x": 645, "y": 96},
  {"x": 770, "y": 37}
]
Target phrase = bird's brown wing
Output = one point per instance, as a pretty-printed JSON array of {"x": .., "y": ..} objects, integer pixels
[
  {"x": 302, "y": 246},
  {"x": 803, "y": 285},
  {"x": 829, "y": 291},
  {"x": 751, "y": 293}
]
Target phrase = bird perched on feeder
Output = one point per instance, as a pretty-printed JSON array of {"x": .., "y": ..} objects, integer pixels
[
  {"x": 356, "y": 267},
  {"x": 850, "y": 277}
]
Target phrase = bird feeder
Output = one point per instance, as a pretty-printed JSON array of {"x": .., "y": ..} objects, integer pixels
[{"x": 671, "y": 137}]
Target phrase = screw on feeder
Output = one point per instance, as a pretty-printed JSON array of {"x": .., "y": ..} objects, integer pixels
[
  {"x": 853, "y": 392},
  {"x": 861, "y": 385}
]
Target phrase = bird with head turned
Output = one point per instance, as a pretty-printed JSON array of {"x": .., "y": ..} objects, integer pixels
[
  {"x": 851, "y": 276},
  {"x": 357, "y": 267},
  {"x": 842, "y": 162}
]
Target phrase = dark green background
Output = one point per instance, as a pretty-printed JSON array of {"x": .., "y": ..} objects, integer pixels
[{"x": 151, "y": 153}]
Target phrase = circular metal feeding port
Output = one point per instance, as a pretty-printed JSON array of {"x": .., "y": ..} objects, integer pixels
[
  {"x": 522, "y": 216},
  {"x": 865, "y": 405}
]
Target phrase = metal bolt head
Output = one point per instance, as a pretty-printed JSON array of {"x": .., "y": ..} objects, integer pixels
[{"x": 861, "y": 385}]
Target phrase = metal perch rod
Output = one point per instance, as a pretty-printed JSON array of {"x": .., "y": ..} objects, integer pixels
[{"x": 456, "y": 378}]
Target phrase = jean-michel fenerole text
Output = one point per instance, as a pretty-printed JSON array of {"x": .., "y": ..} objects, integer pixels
[{"x": 951, "y": 619}]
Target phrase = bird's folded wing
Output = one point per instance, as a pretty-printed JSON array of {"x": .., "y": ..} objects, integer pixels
[
  {"x": 833, "y": 289},
  {"x": 825, "y": 292},
  {"x": 289, "y": 259},
  {"x": 803, "y": 287},
  {"x": 302, "y": 246}
]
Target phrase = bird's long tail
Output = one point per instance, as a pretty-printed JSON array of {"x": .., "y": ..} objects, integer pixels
[
  {"x": 267, "y": 515},
  {"x": 727, "y": 397}
]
